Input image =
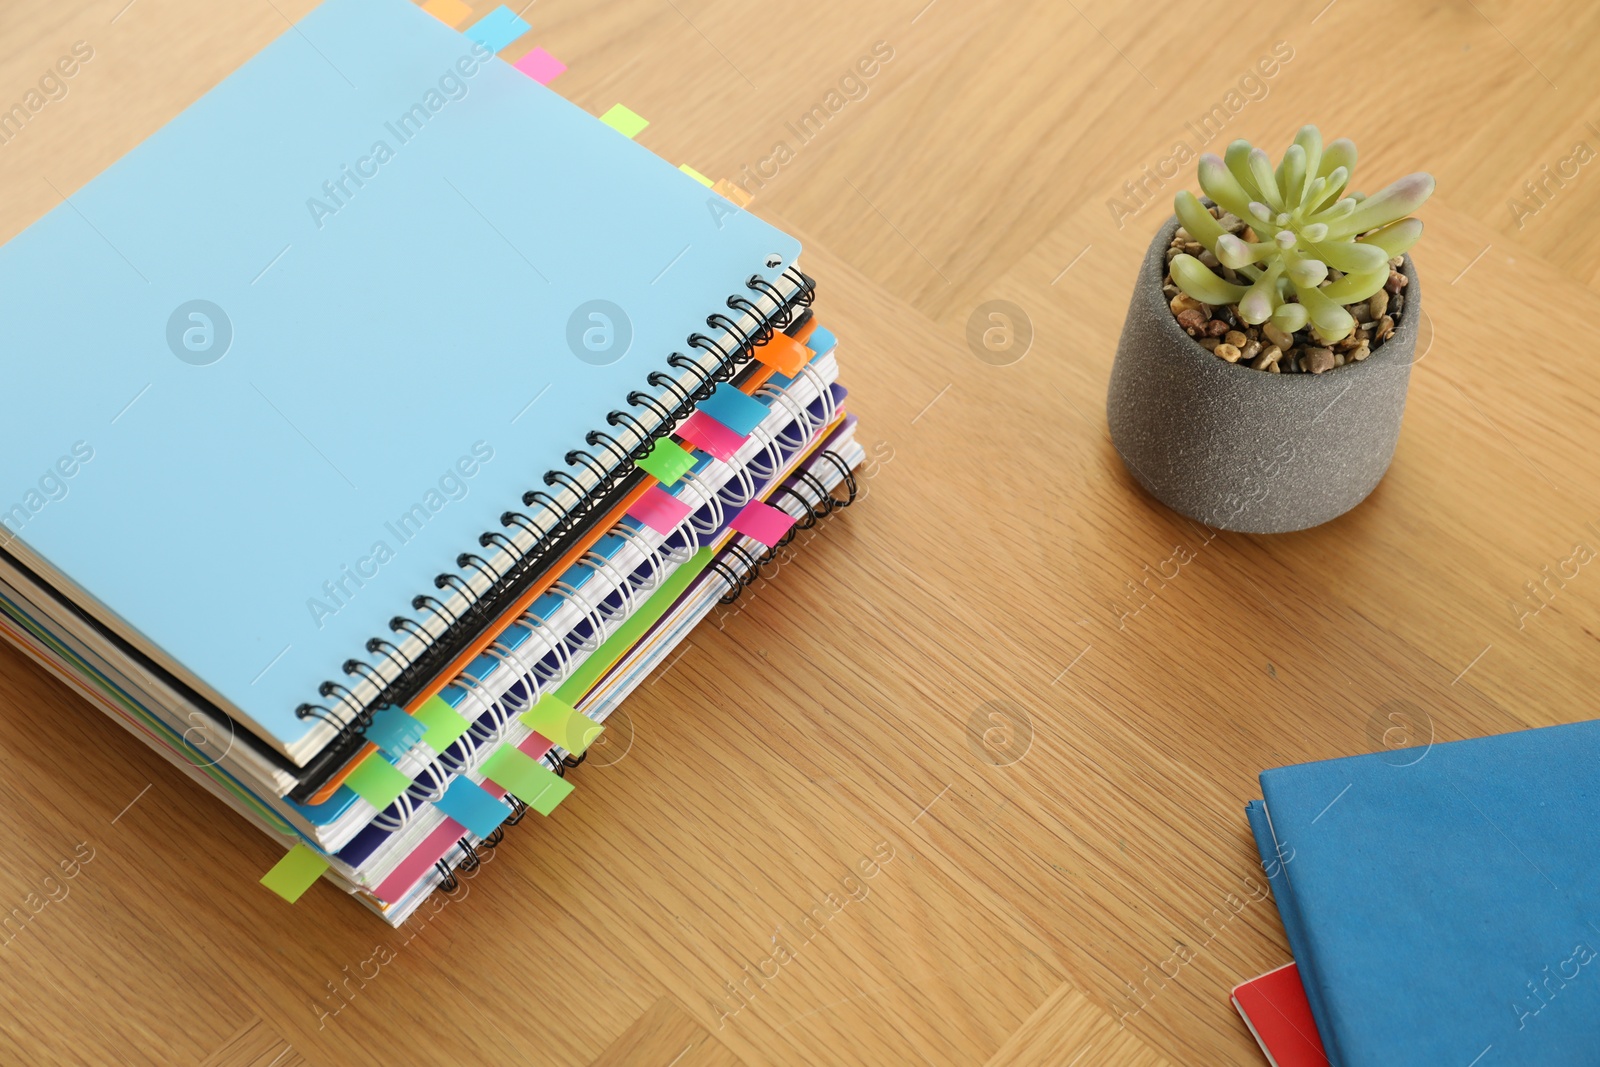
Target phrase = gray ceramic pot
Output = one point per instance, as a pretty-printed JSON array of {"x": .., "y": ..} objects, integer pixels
[{"x": 1242, "y": 449}]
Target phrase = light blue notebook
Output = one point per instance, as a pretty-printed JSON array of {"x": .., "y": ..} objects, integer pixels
[{"x": 285, "y": 361}]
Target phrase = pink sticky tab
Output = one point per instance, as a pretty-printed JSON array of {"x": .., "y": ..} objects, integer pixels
[
  {"x": 431, "y": 851},
  {"x": 710, "y": 436},
  {"x": 659, "y": 510},
  {"x": 541, "y": 66},
  {"x": 535, "y": 746},
  {"x": 763, "y": 522}
]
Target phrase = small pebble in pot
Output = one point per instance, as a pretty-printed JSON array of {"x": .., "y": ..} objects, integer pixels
[
  {"x": 1379, "y": 304},
  {"x": 1385, "y": 329},
  {"x": 1396, "y": 282},
  {"x": 1209, "y": 343},
  {"x": 1268, "y": 359},
  {"x": 1184, "y": 302},
  {"x": 1228, "y": 352},
  {"x": 1193, "y": 320},
  {"x": 1278, "y": 337},
  {"x": 1216, "y": 327},
  {"x": 1236, "y": 339},
  {"x": 1318, "y": 360}
]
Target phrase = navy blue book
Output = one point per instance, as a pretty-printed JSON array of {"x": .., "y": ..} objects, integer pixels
[{"x": 1443, "y": 903}]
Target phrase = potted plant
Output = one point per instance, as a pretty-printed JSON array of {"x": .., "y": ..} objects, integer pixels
[{"x": 1262, "y": 371}]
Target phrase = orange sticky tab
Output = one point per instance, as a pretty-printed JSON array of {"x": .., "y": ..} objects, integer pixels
[
  {"x": 783, "y": 354},
  {"x": 450, "y": 12},
  {"x": 732, "y": 192}
]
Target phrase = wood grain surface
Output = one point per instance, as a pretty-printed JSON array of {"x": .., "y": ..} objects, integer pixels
[{"x": 947, "y": 790}]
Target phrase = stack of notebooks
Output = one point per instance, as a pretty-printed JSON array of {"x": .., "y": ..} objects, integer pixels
[
  {"x": 380, "y": 423},
  {"x": 1442, "y": 903}
]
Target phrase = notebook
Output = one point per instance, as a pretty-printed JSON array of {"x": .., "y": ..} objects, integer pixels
[
  {"x": 1443, "y": 904},
  {"x": 1275, "y": 1009},
  {"x": 323, "y": 330}
]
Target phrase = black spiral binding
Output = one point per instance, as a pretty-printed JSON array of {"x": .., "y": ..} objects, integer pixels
[
  {"x": 670, "y": 407},
  {"x": 824, "y": 505},
  {"x": 815, "y": 510}
]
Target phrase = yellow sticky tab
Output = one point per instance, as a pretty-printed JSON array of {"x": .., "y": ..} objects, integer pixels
[
  {"x": 561, "y": 723},
  {"x": 444, "y": 723},
  {"x": 696, "y": 175},
  {"x": 292, "y": 876},
  {"x": 624, "y": 121}
]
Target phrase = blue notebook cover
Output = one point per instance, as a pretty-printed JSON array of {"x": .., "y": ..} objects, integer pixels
[
  {"x": 279, "y": 363},
  {"x": 1443, "y": 904}
]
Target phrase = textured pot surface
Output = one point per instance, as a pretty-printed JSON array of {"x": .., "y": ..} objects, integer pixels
[{"x": 1242, "y": 449}]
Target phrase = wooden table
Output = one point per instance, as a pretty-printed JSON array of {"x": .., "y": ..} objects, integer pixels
[{"x": 1020, "y": 910}]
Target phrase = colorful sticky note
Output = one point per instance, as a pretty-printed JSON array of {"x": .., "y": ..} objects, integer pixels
[
  {"x": 710, "y": 436},
  {"x": 763, "y": 522},
  {"x": 435, "y": 847},
  {"x": 821, "y": 341},
  {"x": 659, "y": 510},
  {"x": 394, "y": 731},
  {"x": 474, "y": 807},
  {"x": 444, "y": 723},
  {"x": 541, "y": 66},
  {"x": 527, "y": 779},
  {"x": 292, "y": 876},
  {"x": 497, "y": 29},
  {"x": 667, "y": 461},
  {"x": 738, "y": 411},
  {"x": 696, "y": 175},
  {"x": 450, "y": 12},
  {"x": 559, "y": 721},
  {"x": 377, "y": 781},
  {"x": 732, "y": 192},
  {"x": 783, "y": 354},
  {"x": 624, "y": 121}
]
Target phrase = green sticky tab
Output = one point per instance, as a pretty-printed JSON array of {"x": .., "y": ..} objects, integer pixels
[
  {"x": 560, "y": 722},
  {"x": 554, "y": 793},
  {"x": 527, "y": 779},
  {"x": 444, "y": 723},
  {"x": 667, "y": 461},
  {"x": 624, "y": 121},
  {"x": 293, "y": 874},
  {"x": 696, "y": 175},
  {"x": 377, "y": 781}
]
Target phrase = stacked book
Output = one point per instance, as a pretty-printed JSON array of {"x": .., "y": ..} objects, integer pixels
[
  {"x": 1442, "y": 902},
  {"x": 386, "y": 420}
]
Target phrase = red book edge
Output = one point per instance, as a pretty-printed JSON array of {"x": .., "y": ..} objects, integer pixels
[{"x": 1275, "y": 1008}]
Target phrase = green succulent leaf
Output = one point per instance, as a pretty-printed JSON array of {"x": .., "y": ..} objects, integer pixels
[
  {"x": 1238, "y": 253},
  {"x": 1389, "y": 204},
  {"x": 1348, "y": 256},
  {"x": 1196, "y": 279},
  {"x": 1338, "y": 154},
  {"x": 1332, "y": 322},
  {"x": 1266, "y": 180},
  {"x": 1308, "y": 272},
  {"x": 1396, "y": 238},
  {"x": 1290, "y": 318},
  {"x": 1222, "y": 187},
  {"x": 1291, "y": 176},
  {"x": 1237, "y": 160},
  {"x": 1194, "y": 217},
  {"x": 1258, "y": 304},
  {"x": 1357, "y": 286},
  {"x": 1310, "y": 141}
]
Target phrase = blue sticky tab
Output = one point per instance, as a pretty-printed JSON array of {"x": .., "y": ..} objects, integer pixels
[
  {"x": 822, "y": 341},
  {"x": 497, "y": 29},
  {"x": 735, "y": 410},
  {"x": 473, "y": 806},
  {"x": 394, "y": 731}
]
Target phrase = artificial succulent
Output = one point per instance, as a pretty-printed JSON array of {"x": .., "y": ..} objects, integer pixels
[{"x": 1305, "y": 225}]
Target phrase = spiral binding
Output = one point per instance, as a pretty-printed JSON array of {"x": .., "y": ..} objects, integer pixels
[
  {"x": 819, "y": 506},
  {"x": 814, "y": 509},
  {"x": 671, "y": 406}
]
